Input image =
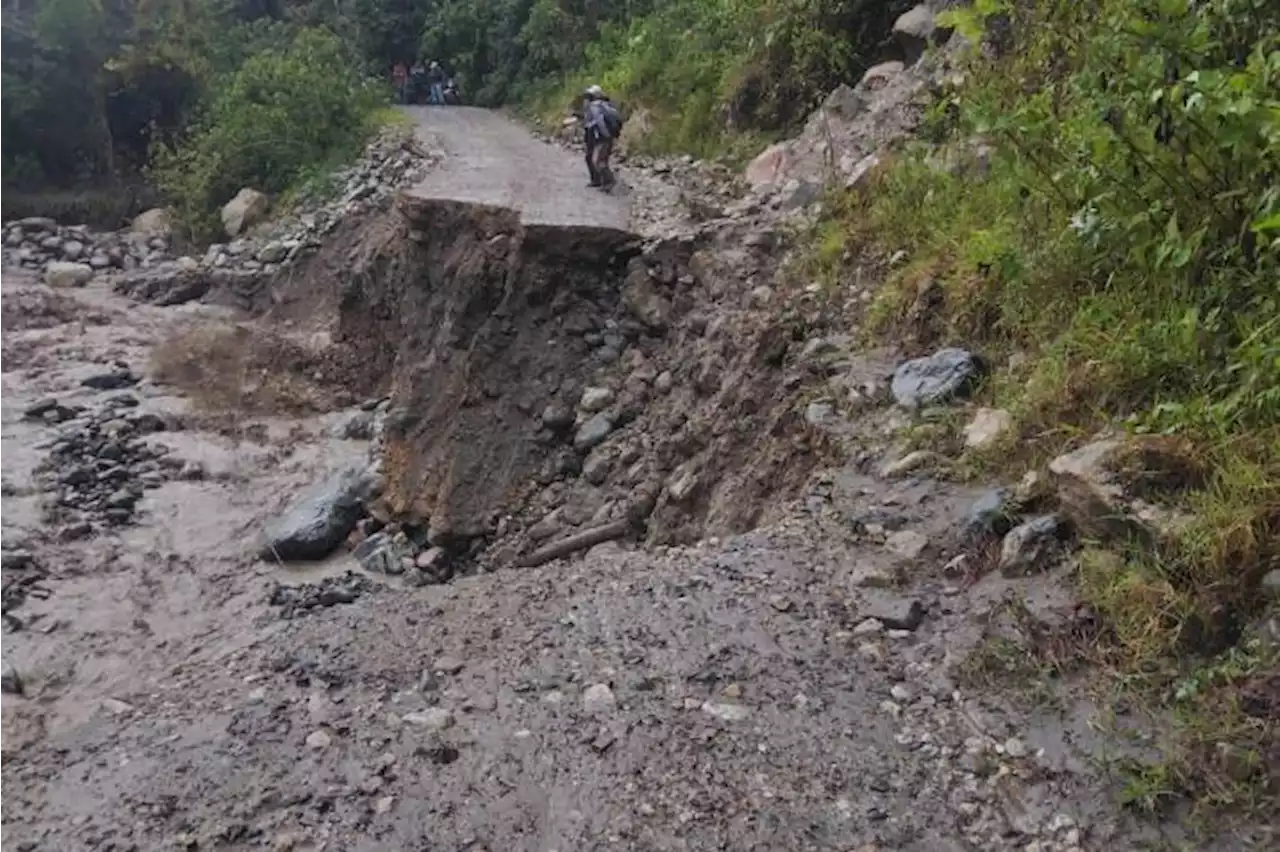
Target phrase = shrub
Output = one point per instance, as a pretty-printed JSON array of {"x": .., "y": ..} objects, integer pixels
[
  {"x": 280, "y": 113},
  {"x": 1125, "y": 235}
]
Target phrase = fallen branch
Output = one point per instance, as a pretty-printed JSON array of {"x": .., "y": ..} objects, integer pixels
[{"x": 576, "y": 542}]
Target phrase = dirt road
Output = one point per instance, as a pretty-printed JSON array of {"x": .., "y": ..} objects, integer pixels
[
  {"x": 492, "y": 160},
  {"x": 780, "y": 690}
]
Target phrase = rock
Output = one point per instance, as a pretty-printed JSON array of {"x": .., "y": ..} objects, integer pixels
[
  {"x": 1270, "y": 586},
  {"x": 726, "y": 712},
  {"x": 62, "y": 273},
  {"x": 797, "y": 193},
  {"x": 382, "y": 553},
  {"x": 986, "y": 427},
  {"x": 152, "y": 223},
  {"x": 72, "y": 249},
  {"x": 384, "y": 805},
  {"x": 10, "y": 682},
  {"x": 891, "y": 610},
  {"x": 877, "y": 76},
  {"x": 314, "y": 526},
  {"x": 549, "y": 526},
  {"x": 988, "y": 514},
  {"x": 643, "y": 300},
  {"x": 664, "y": 382},
  {"x": 868, "y": 627},
  {"x": 433, "y": 719},
  {"x": 595, "y": 399},
  {"x": 820, "y": 413},
  {"x": 49, "y": 410},
  {"x": 683, "y": 483},
  {"x": 431, "y": 559},
  {"x": 916, "y": 30},
  {"x": 908, "y": 544},
  {"x": 597, "y": 466},
  {"x": 113, "y": 380},
  {"x": 557, "y": 416},
  {"x": 99, "y": 261},
  {"x": 910, "y": 462},
  {"x": 934, "y": 379},
  {"x": 448, "y": 665},
  {"x": 1029, "y": 547},
  {"x": 598, "y": 698},
  {"x": 272, "y": 252},
  {"x": 1094, "y": 493},
  {"x": 354, "y": 426},
  {"x": 319, "y": 740},
  {"x": 593, "y": 432},
  {"x": 769, "y": 167},
  {"x": 246, "y": 209},
  {"x": 1015, "y": 747}
]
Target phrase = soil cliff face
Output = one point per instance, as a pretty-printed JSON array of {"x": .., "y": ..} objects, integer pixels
[
  {"x": 473, "y": 319},
  {"x": 546, "y": 380}
]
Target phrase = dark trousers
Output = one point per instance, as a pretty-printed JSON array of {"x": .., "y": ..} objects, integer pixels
[
  {"x": 590, "y": 144},
  {"x": 599, "y": 148}
]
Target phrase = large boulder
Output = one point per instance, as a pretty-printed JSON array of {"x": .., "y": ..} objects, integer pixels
[
  {"x": 769, "y": 168},
  {"x": 63, "y": 273},
  {"x": 152, "y": 223},
  {"x": 246, "y": 209},
  {"x": 934, "y": 379},
  {"x": 314, "y": 526},
  {"x": 916, "y": 30},
  {"x": 1107, "y": 487}
]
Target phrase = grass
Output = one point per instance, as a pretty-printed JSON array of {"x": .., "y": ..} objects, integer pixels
[{"x": 1115, "y": 262}]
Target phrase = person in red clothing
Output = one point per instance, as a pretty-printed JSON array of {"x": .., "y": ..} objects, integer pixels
[{"x": 400, "y": 79}]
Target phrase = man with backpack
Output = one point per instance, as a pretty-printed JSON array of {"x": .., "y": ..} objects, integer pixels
[{"x": 602, "y": 122}]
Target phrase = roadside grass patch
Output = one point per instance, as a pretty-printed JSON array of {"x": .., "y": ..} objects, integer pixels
[{"x": 1116, "y": 258}]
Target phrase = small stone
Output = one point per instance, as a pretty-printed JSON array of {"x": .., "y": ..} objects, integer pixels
[
  {"x": 664, "y": 382},
  {"x": 448, "y": 665},
  {"x": 319, "y": 739},
  {"x": 593, "y": 432},
  {"x": 908, "y": 544},
  {"x": 733, "y": 690},
  {"x": 910, "y": 462},
  {"x": 1271, "y": 584},
  {"x": 598, "y": 698},
  {"x": 819, "y": 414},
  {"x": 683, "y": 483},
  {"x": 431, "y": 719},
  {"x": 900, "y": 693},
  {"x": 597, "y": 466},
  {"x": 726, "y": 712},
  {"x": 10, "y": 682},
  {"x": 869, "y": 627},
  {"x": 1015, "y": 747},
  {"x": 61, "y": 273},
  {"x": 986, "y": 427},
  {"x": 595, "y": 399},
  {"x": 384, "y": 804},
  {"x": 1031, "y": 546},
  {"x": 116, "y": 707}
]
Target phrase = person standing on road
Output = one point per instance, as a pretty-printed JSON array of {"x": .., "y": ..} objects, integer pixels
[
  {"x": 601, "y": 125},
  {"x": 400, "y": 80},
  {"x": 417, "y": 81},
  {"x": 435, "y": 79}
]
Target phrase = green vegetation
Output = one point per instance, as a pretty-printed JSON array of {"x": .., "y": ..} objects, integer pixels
[
  {"x": 205, "y": 96},
  {"x": 281, "y": 114},
  {"x": 1098, "y": 211}
]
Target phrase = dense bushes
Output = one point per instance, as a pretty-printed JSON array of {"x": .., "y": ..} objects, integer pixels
[
  {"x": 282, "y": 111},
  {"x": 1116, "y": 247}
]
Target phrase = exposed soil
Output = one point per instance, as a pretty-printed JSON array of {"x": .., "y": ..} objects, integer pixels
[{"x": 769, "y": 662}]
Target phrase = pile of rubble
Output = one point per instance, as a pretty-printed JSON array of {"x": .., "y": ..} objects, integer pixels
[
  {"x": 143, "y": 264},
  {"x": 100, "y": 462}
]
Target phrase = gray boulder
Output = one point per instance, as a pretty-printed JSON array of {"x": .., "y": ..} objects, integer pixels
[
  {"x": 937, "y": 378},
  {"x": 246, "y": 209},
  {"x": 62, "y": 273},
  {"x": 1031, "y": 547},
  {"x": 593, "y": 432},
  {"x": 916, "y": 30},
  {"x": 314, "y": 526}
]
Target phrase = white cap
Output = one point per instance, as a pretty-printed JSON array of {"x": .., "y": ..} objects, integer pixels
[{"x": 595, "y": 91}]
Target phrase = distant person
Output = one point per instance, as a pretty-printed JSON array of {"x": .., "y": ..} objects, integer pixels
[
  {"x": 602, "y": 122},
  {"x": 435, "y": 79},
  {"x": 417, "y": 81},
  {"x": 400, "y": 80}
]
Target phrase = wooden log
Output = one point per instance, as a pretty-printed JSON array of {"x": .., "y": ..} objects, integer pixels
[{"x": 576, "y": 542}]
